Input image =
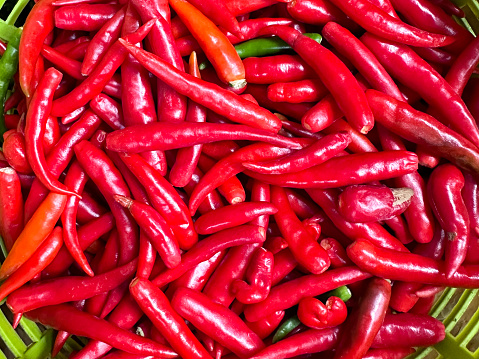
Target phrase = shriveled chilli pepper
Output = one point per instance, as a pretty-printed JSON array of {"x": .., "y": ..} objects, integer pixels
[
  {"x": 216, "y": 321},
  {"x": 34, "y": 233},
  {"x": 86, "y": 17},
  {"x": 334, "y": 75},
  {"x": 164, "y": 199},
  {"x": 187, "y": 158},
  {"x": 360, "y": 168},
  {"x": 106, "y": 176},
  {"x": 303, "y": 246},
  {"x": 214, "y": 43},
  {"x": 363, "y": 324},
  {"x": 11, "y": 207},
  {"x": 157, "y": 307},
  {"x": 41, "y": 258},
  {"x": 444, "y": 192},
  {"x": 30, "y": 49},
  {"x": 102, "y": 40},
  {"x": 406, "y": 66},
  {"x": 420, "y": 128},
  {"x": 290, "y": 293},
  {"x": 232, "y": 216},
  {"x": 258, "y": 276},
  {"x": 207, "y": 248},
  {"x": 366, "y": 203},
  {"x": 156, "y": 228},
  {"x": 76, "y": 322},
  {"x": 211, "y": 96},
  {"x": 317, "y": 153},
  {"x": 314, "y": 314},
  {"x": 68, "y": 289},
  {"x": 99, "y": 77},
  {"x": 39, "y": 109},
  {"x": 380, "y": 23}
]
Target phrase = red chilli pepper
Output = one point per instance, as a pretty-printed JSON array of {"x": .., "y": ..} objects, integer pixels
[
  {"x": 314, "y": 314},
  {"x": 86, "y": 17},
  {"x": 11, "y": 207},
  {"x": 259, "y": 277},
  {"x": 444, "y": 191}
]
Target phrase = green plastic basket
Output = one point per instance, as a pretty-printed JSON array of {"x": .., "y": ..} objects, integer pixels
[{"x": 458, "y": 309}]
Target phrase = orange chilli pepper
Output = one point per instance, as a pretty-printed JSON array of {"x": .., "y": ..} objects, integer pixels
[
  {"x": 35, "y": 232},
  {"x": 216, "y": 46}
]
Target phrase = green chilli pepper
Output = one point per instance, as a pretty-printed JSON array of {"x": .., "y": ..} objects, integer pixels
[
  {"x": 342, "y": 293},
  {"x": 286, "y": 328}
]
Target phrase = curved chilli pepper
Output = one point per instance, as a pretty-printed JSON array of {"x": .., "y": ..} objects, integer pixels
[
  {"x": 11, "y": 207},
  {"x": 156, "y": 306},
  {"x": 218, "y": 12},
  {"x": 307, "y": 342},
  {"x": 363, "y": 324},
  {"x": 211, "y": 96},
  {"x": 406, "y": 66},
  {"x": 317, "y": 12},
  {"x": 297, "y": 92},
  {"x": 102, "y": 41},
  {"x": 362, "y": 58},
  {"x": 279, "y": 68},
  {"x": 164, "y": 199},
  {"x": 30, "y": 49},
  {"x": 420, "y": 128},
  {"x": 319, "y": 152},
  {"x": 288, "y": 294},
  {"x": 68, "y": 289},
  {"x": 285, "y": 328},
  {"x": 409, "y": 267},
  {"x": 99, "y": 77},
  {"x": 218, "y": 49},
  {"x": 62, "y": 62},
  {"x": 41, "y": 258},
  {"x": 380, "y": 23},
  {"x": 208, "y": 247},
  {"x": 444, "y": 192},
  {"x": 230, "y": 166},
  {"x": 463, "y": 67},
  {"x": 264, "y": 327},
  {"x": 37, "y": 114},
  {"x": 374, "y": 232},
  {"x": 166, "y": 136},
  {"x": 76, "y": 179},
  {"x": 334, "y": 75},
  {"x": 409, "y": 330},
  {"x": 37, "y": 229},
  {"x": 360, "y": 168},
  {"x": 86, "y": 17},
  {"x": 101, "y": 170},
  {"x": 366, "y": 203},
  {"x": 213, "y": 199},
  {"x": 314, "y": 314},
  {"x": 232, "y": 216},
  {"x": 67, "y": 318},
  {"x": 108, "y": 110},
  {"x": 187, "y": 158},
  {"x": 60, "y": 156},
  {"x": 258, "y": 275},
  {"x": 156, "y": 228},
  {"x": 305, "y": 249},
  {"x": 73, "y": 116},
  {"x": 216, "y": 321}
]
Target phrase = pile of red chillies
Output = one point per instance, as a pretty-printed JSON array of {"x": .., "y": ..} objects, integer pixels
[{"x": 166, "y": 197}]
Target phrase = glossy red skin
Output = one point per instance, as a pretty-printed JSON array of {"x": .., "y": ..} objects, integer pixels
[
  {"x": 85, "y": 17},
  {"x": 336, "y": 252},
  {"x": 108, "y": 179},
  {"x": 206, "y": 248},
  {"x": 213, "y": 199},
  {"x": 14, "y": 152},
  {"x": 297, "y": 91},
  {"x": 288, "y": 294},
  {"x": 463, "y": 67},
  {"x": 216, "y": 321},
  {"x": 444, "y": 192},
  {"x": 406, "y": 66},
  {"x": 314, "y": 314},
  {"x": 62, "y": 62},
  {"x": 232, "y": 216},
  {"x": 266, "y": 326},
  {"x": 258, "y": 278},
  {"x": 470, "y": 197},
  {"x": 109, "y": 111},
  {"x": 278, "y": 68},
  {"x": 158, "y": 308},
  {"x": 67, "y": 289},
  {"x": 102, "y": 41},
  {"x": 89, "y": 209},
  {"x": 11, "y": 206},
  {"x": 318, "y": 13},
  {"x": 365, "y": 320}
]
